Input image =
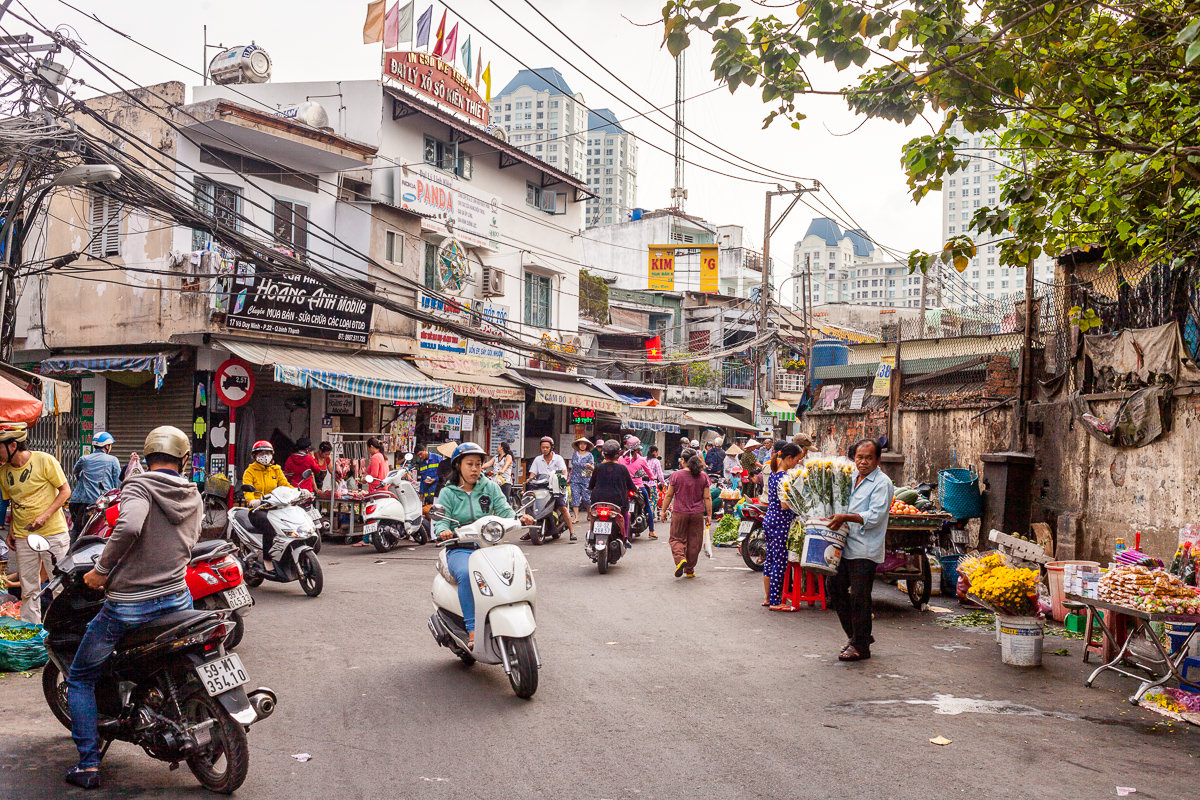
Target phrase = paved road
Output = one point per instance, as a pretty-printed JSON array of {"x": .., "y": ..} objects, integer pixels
[{"x": 652, "y": 687}]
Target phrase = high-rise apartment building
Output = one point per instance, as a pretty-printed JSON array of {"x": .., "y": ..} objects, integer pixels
[
  {"x": 846, "y": 267},
  {"x": 966, "y": 191},
  {"x": 611, "y": 169},
  {"x": 542, "y": 116}
]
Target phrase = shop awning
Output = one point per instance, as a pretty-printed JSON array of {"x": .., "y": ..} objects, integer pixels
[
  {"x": 378, "y": 377},
  {"x": 142, "y": 362},
  {"x": 494, "y": 387},
  {"x": 717, "y": 419},
  {"x": 572, "y": 393},
  {"x": 55, "y": 395},
  {"x": 781, "y": 411},
  {"x": 642, "y": 412}
]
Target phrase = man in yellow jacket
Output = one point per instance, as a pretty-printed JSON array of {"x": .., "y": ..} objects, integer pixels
[{"x": 263, "y": 473}]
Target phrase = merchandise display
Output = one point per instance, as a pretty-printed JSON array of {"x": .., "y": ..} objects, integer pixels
[{"x": 1152, "y": 590}]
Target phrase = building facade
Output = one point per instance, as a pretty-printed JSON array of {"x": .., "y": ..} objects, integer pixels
[
  {"x": 847, "y": 267},
  {"x": 611, "y": 170},
  {"x": 541, "y": 115}
]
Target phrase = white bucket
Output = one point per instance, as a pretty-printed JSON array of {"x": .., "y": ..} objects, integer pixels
[
  {"x": 1021, "y": 641},
  {"x": 822, "y": 550},
  {"x": 997, "y": 629}
]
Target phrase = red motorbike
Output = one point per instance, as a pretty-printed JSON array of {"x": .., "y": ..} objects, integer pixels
[
  {"x": 214, "y": 576},
  {"x": 752, "y": 539}
]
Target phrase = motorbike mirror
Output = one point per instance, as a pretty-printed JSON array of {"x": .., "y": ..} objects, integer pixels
[
  {"x": 38, "y": 543},
  {"x": 437, "y": 512},
  {"x": 407, "y": 457},
  {"x": 308, "y": 473}
]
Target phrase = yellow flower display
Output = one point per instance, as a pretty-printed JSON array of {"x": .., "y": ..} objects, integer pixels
[{"x": 1008, "y": 590}]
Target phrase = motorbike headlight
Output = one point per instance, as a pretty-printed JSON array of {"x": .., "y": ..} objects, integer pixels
[
  {"x": 492, "y": 532},
  {"x": 484, "y": 589},
  {"x": 528, "y": 578}
]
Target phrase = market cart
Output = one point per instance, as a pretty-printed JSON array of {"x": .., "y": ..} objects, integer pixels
[
  {"x": 1126, "y": 659},
  {"x": 912, "y": 535}
]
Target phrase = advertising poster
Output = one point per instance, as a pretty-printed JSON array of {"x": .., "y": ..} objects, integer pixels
[
  {"x": 662, "y": 270},
  {"x": 882, "y": 387},
  {"x": 508, "y": 426},
  {"x": 709, "y": 278}
]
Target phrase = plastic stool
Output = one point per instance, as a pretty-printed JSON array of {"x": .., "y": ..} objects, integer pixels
[
  {"x": 1190, "y": 670},
  {"x": 802, "y": 586}
]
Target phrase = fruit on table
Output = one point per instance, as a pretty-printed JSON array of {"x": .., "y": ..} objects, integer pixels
[
  {"x": 909, "y": 496},
  {"x": 900, "y": 507}
]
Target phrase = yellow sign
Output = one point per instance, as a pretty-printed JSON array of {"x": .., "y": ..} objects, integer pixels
[
  {"x": 708, "y": 269},
  {"x": 662, "y": 270},
  {"x": 883, "y": 377}
]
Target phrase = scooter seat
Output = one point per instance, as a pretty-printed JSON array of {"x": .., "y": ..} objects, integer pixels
[
  {"x": 206, "y": 548},
  {"x": 242, "y": 517},
  {"x": 144, "y": 634},
  {"x": 443, "y": 567}
]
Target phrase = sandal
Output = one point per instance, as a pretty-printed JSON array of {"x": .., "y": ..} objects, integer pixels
[{"x": 784, "y": 607}]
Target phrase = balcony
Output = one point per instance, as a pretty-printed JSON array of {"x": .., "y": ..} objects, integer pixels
[
  {"x": 737, "y": 379},
  {"x": 789, "y": 382},
  {"x": 693, "y": 396}
]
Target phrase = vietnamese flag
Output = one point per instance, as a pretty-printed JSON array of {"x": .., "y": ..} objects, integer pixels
[
  {"x": 654, "y": 349},
  {"x": 439, "y": 38}
]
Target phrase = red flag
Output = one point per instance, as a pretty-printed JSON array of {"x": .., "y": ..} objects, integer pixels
[
  {"x": 441, "y": 35},
  {"x": 450, "y": 48},
  {"x": 654, "y": 349}
]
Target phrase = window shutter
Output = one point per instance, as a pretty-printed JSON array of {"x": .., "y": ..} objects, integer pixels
[
  {"x": 300, "y": 229},
  {"x": 96, "y": 229},
  {"x": 112, "y": 229},
  {"x": 529, "y": 298},
  {"x": 549, "y": 201}
]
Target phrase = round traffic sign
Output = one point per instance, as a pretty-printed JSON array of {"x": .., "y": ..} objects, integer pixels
[{"x": 234, "y": 383}]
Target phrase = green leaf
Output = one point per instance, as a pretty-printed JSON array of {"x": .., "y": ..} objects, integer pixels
[
  {"x": 1193, "y": 52},
  {"x": 1189, "y": 33}
]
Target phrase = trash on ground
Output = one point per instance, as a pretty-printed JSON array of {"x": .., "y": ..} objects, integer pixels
[
  {"x": 940, "y": 741},
  {"x": 302, "y": 757}
]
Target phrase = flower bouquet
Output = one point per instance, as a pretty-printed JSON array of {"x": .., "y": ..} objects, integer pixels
[{"x": 1009, "y": 590}]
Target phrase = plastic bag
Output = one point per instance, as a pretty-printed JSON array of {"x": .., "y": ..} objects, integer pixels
[
  {"x": 708, "y": 540},
  {"x": 22, "y": 655}
]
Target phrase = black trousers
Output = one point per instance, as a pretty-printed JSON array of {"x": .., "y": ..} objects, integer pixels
[
  {"x": 262, "y": 524},
  {"x": 850, "y": 594},
  {"x": 79, "y": 515}
]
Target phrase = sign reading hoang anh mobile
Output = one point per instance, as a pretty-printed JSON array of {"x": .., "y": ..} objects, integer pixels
[{"x": 294, "y": 304}]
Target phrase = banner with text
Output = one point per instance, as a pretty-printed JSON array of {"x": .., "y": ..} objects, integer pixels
[
  {"x": 662, "y": 269},
  {"x": 709, "y": 278},
  {"x": 295, "y": 304}
]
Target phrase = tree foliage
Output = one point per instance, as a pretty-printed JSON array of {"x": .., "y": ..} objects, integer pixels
[
  {"x": 1092, "y": 105},
  {"x": 593, "y": 296}
]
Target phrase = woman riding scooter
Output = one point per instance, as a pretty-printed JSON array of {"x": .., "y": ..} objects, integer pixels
[
  {"x": 611, "y": 483},
  {"x": 466, "y": 497}
]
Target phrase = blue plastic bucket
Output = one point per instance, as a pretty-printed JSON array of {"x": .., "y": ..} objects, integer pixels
[
  {"x": 958, "y": 492},
  {"x": 950, "y": 574},
  {"x": 1177, "y": 633},
  {"x": 822, "y": 551}
]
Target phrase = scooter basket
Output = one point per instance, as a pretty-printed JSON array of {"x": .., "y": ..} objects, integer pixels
[
  {"x": 22, "y": 655},
  {"x": 958, "y": 492}
]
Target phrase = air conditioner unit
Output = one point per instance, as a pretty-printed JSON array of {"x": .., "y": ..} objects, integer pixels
[{"x": 491, "y": 283}]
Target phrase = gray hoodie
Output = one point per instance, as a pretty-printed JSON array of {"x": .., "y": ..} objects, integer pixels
[{"x": 147, "y": 555}]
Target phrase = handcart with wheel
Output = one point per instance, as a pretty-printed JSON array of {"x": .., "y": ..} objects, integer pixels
[{"x": 911, "y": 536}]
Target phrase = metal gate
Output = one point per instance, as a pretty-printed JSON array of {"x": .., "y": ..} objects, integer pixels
[{"x": 61, "y": 435}]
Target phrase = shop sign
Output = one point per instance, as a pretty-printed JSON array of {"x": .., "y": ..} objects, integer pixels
[
  {"x": 446, "y": 201},
  {"x": 508, "y": 425},
  {"x": 709, "y": 278},
  {"x": 662, "y": 269},
  {"x": 492, "y": 321},
  {"x": 583, "y": 416},
  {"x": 570, "y": 399},
  {"x": 340, "y": 404},
  {"x": 442, "y": 421},
  {"x": 882, "y": 387},
  {"x": 295, "y": 304},
  {"x": 429, "y": 78},
  {"x": 436, "y": 338},
  {"x": 87, "y": 420}
]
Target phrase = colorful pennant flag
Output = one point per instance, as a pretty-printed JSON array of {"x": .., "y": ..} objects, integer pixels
[
  {"x": 466, "y": 55},
  {"x": 440, "y": 37},
  {"x": 487, "y": 80},
  {"x": 373, "y": 26},
  {"x": 398, "y": 25},
  {"x": 450, "y": 48},
  {"x": 478, "y": 67},
  {"x": 423, "y": 24},
  {"x": 654, "y": 348}
]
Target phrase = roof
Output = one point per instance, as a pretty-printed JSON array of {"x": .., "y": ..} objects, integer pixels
[
  {"x": 863, "y": 246},
  {"x": 545, "y": 79},
  {"x": 826, "y": 228},
  {"x": 717, "y": 419},
  {"x": 604, "y": 120}
]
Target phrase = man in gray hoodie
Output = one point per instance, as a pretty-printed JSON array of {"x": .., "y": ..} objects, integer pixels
[{"x": 142, "y": 570}]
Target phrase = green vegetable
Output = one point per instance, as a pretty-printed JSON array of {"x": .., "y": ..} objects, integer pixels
[
  {"x": 726, "y": 530},
  {"x": 19, "y": 634},
  {"x": 909, "y": 496}
]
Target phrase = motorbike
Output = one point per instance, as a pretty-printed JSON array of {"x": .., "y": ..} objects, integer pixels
[
  {"x": 551, "y": 520},
  {"x": 393, "y": 511},
  {"x": 171, "y": 687},
  {"x": 214, "y": 575},
  {"x": 294, "y": 553},
  {"x": 605, "y": 540},
  {"x": 639, "y": 519},
  {"x": 504, "y": 602},
  {"x": 752, "y": 538}
]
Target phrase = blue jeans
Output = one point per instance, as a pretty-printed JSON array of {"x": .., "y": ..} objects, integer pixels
[
  {"x": 103, "y": 633},
  {"x": 650, "y": 509},
  {"x": 457, "y": 560}
]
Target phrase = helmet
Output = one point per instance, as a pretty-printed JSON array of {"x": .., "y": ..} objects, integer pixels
[
  {"x": 168, "y": 441},
  {"x": 695, "y": 443},
  {"x": 467, "y": 449},
  {"x": 102, "y": 439},
  {"x": 633, "y": 442},
  {"x": 546, "y": 439},
  {"x": 261, "y": 445},
  {"x": 13, "y": 431}
]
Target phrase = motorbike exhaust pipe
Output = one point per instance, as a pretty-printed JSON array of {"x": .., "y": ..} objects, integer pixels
[{"x": 262, "y": 700}]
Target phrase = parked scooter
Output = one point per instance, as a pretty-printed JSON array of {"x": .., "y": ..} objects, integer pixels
[
  {"x": 551, "y": 520},
  {"x": 393, "y": 511},
  {"x": 214, "y": 575},
  {"x": 605, "y": 542},
  {"x": 293, "y": 553},
  {"x": 752, "y": 539},
  {"x": 639, "y": 519},
  {"x": 171, "y": 687},
  {"x": 504, "y": 602}
]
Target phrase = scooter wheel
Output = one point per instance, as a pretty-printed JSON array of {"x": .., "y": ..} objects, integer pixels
[
  {"x": 252, "y": 580},
  {"x": 311, "y": 579},
  {"x": 524, "y": 675},
  {"x": 535, "y": 534}
]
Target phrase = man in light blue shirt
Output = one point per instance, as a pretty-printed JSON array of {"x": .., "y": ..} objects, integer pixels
[
  {"x": 95, "y": 474},
  {"x": 866, "y": 521}
]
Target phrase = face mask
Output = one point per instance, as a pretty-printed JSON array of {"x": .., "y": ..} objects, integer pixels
[{"x": 263, "y": 458}]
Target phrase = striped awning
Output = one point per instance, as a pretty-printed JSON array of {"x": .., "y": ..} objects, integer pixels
[
  {"x": 568, "y": 392},
  {"x": 718, "y": 419},
  {"x": 76, "y": 365},
  {"x": 781, "y": 411},
  {"x": 493, "y": 387},
  {"x": 376, "y": 376}
]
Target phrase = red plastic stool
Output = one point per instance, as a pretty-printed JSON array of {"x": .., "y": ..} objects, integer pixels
[{"x": 802, "y": 586}]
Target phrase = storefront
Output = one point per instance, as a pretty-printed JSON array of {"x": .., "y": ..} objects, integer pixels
[
  {"x": 563, "y": 408},
  {"x": 709, "y": 425},
  {"x": 485, "y": 405},
  {"x": 642, "y": 416}
]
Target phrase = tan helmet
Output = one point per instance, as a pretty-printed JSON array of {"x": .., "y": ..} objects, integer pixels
[
  {"x": 13, "y": 431},
  {"x": 169, "y": 441}
]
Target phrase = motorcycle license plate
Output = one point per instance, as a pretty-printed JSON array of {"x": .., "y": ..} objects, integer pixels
[
  {"x": 315, "y": 513},
  {"x": 222, "y": 675},
  {"x": 602, "y": 527},
  {"x": 370, "y": 527},
  {"x": 237, "y": 596},
  {"x": 746, "y": 527}
]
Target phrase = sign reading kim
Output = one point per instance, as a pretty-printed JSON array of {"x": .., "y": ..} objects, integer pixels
[
  {"x": 662, "y": 269},
  {"x": 430, "y": 78}
]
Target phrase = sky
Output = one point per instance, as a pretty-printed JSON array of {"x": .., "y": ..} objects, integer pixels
[{"x": 857, "y": 162}]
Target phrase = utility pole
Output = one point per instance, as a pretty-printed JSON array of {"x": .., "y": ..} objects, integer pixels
[
  {"x": 924, "y": 295},
  {"x": 678, "y": 193},
  {"x": 761, "y": 392},
  {"x": 1025, "y": 381}
]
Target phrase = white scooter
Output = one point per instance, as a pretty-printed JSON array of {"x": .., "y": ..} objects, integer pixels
[
  {"x": 504, "y": 602},
  {"x": 293, "y": 551},
  {"x": 393, "y": 511}
]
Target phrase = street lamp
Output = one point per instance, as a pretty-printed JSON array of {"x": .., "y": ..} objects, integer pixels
[{"x": 86, "y": 175}]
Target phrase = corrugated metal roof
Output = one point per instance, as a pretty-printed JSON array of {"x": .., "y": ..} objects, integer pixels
[{"x": 915, "y": 366}]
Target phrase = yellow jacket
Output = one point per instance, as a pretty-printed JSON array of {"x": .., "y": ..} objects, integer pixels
[{"x": 264, "y": 479}]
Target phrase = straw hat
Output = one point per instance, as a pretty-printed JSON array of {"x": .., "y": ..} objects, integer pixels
[
  {"x": 734, "y": 450},
  {"x": 583, "y": 440},
  {"x": 446, "y": 449},
  {"x": 751, "y": 444}
]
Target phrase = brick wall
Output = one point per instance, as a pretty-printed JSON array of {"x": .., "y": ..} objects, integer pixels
[{"x": 1002, "y": 377}]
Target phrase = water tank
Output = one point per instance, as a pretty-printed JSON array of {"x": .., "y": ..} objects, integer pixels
[
  {"x": 310, "y": 113},
  {"x": 248, "y": 64},
  {"x": 637, "y": 214},
  {"x": 829, "y": 353}
]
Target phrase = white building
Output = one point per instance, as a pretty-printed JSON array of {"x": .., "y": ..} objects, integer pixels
[
  {"x": 542, "y": 116},
  {"x": 963, "y": 194},
  {"x": 611, "y": 169},
  {"x": 846, "y": 267}
]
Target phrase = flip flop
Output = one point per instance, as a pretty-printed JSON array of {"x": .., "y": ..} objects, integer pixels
[
  {"x": 784, "y": 607},
  {"x": 766, "y": 604}
]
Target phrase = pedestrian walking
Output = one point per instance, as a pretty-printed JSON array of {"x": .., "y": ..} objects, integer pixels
[
  {"x": 776, "y": 524},
  {"x": 582, "y": 465},
  {"x": 866, "y": 519},
  {"x": 36, "y": 488},
  {"x": 691, "y": 513},
  {"x": 658, "y": 480},
  {"x": 94, "y": 474}
]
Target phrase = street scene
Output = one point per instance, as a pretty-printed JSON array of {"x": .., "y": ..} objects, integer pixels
[{"x": 403, "y": 400}]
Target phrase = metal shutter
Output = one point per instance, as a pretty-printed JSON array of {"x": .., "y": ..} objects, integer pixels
[{"x": 134, "y": 411}]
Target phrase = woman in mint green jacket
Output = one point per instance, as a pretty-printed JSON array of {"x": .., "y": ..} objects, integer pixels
[{"x": 466, "y": 497}]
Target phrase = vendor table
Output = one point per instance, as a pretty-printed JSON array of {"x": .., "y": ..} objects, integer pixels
[
  {"x": 1126, "y": 659},
  {"x": 912, "y": 534}
]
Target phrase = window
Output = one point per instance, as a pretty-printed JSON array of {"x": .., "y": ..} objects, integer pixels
[
  {"x": 508, "y": 106},
  {"x": 105, "y": 232},
  {"x": 545, "y": 199},
  {"x": 447, "y": 156},
  {"x": 977, "y": 191},
  {"x": 259, "y": 169},
  {"x": 431, "y": 278},
  {"x": 393, "y": 247},
  {"x": 223, "y": 203},
  {"x": 291, "y": 226},
  {"x": 537, "y": 300}
]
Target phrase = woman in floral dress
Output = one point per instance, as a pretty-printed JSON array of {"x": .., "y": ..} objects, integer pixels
[{"x": 776, "y": 525}]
